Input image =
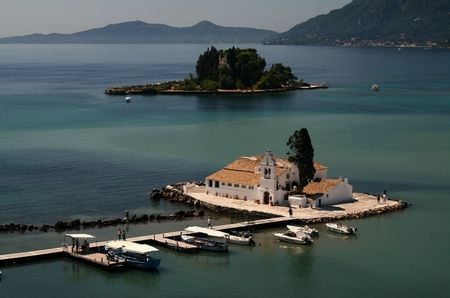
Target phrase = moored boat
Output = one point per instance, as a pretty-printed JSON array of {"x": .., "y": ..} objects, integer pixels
[
  {"x": 375, "y": 87},
  {"x": 341, "y": 229},
  {"x": 228, "y": 237},
  {"x": 294, "y": 237},
  {"x": 305, "y": 229},
  {"x": 205, "y": 244},
  {"x": 141, "y": 256}
]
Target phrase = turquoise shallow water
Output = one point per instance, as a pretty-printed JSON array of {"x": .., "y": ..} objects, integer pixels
[{"x": 67, "y": 151}]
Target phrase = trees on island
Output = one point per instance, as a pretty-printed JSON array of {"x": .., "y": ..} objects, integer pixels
[
  {"x": 236, "y": 68},
  {"x": 301, "y": 152}
]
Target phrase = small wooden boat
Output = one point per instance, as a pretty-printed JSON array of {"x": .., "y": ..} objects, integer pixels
[
  {"x": 205, "y": 244},
  {"x": 305, "y": 229},
  {"x": 341, "y": 229},
  {"x": 294, "y": 237}
]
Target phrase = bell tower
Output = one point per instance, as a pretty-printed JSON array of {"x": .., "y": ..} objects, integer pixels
[{"x": 267, "y": 174}]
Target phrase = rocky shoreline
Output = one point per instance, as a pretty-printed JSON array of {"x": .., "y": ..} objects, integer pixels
[
  {"x": 174, "y": 193},
  {"x": 77, "y": 224},
  {"x": 149, "y": 89}
]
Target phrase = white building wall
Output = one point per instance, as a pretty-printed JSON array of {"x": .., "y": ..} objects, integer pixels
[
  {"x": 233, "y": 192},
  {"x": 338, "y": 194}
]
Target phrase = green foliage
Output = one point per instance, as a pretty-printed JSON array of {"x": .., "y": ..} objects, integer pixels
[
  {"x": 382, "y": 20},
  {"x": 236, "y": 68},
  {"x": 209, "y": 85},
  {"x": 276, "y": 77},
  {"x": 191, "y": 83},
  {"x": 249, "y": 67},
  {"x": 225, "y": 79},
  {"x": 208, "y": 64},
  {"x": 301, "y": 152}
]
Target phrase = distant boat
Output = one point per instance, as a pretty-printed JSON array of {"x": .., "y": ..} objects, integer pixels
[
  {"x": 341, "y": 229},
  {"x": 128, "y": 99},
  {"x": 306, "y": 230},
  {"x": 375, "y": 87},
  {"x": 141, "y": 256},
  {"x": 294, "y": 237}
]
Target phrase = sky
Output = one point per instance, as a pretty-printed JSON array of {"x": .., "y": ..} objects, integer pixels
[{"x": 20, "y": 17}]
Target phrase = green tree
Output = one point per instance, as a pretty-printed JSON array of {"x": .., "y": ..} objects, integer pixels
[
  {"x": 301, "y": 152},
  {"x": 208, "y": 65},
  {"x": 276, "y": 77},
  {"x": 225, "y": 79},
  {"x": 249, "y": 67}
]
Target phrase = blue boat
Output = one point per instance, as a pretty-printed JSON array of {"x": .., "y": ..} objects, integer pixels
[{"x": 140, "y": 256}]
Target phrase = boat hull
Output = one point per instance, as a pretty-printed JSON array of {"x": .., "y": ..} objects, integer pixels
[
  {"x": 205, "y": 244},
  {"x": 341, "y": 229},
  {"x": 294, "y": 240},
  {"x": 305, "y": 230}
]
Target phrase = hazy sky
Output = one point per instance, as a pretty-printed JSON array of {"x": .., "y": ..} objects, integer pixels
[{"x": 19, "y": 17}]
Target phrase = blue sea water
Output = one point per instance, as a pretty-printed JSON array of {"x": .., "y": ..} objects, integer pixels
[{"x": 68, "y": 151}]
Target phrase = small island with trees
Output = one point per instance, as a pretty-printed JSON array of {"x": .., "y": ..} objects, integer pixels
[{"x": 230, "y": 71}]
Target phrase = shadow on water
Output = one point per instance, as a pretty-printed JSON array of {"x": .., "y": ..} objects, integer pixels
[
  {"x": 242, "y": 102},
  {"x": 76, "y": 272}
]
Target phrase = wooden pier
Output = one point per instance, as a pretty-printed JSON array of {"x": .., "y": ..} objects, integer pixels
[
  {"x": 98, "y": 259},
  {"x": 163, "y": 240}
]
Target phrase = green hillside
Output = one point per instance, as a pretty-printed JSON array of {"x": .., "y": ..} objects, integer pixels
[{"x": 363, "y": 21}]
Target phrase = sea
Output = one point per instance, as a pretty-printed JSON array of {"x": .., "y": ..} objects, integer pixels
[{"x": 67, "y": 151}]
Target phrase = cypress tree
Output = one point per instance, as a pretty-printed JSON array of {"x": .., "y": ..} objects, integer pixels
[{"x": 301, "y": 152}]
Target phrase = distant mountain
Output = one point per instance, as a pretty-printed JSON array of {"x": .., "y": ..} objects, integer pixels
[
  {"x": 363, "y": 21},
  {"x": 139, "y": 32}
]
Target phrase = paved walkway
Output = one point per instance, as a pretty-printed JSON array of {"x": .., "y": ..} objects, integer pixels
[{"x": 362, "y": 202}]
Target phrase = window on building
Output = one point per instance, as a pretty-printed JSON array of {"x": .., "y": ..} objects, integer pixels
[
  {"x": 250, "y": 187},
  {"x": 229, "y": 184},
  {"x": 210, "y": 183},
  {"x": 217, "y": 184},
  {"x": 288, "y": 176},
  {"x": 223, "y": 183},
  {"x": 236, "y": 185},
  {"x": 243, "y": 186}
]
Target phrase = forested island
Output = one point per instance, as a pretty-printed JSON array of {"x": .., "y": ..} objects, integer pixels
[{"x": 231, "y": 71}]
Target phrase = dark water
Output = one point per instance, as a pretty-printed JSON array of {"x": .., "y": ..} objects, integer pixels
[{"x": 67, "y": 151}]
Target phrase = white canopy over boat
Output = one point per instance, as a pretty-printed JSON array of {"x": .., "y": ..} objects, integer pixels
[
  {"x": 207, "y": 231},
  {"x": 80, "y": 236},
  {"x": 130, "y": 247},
  {"x": 218, "y": 234}
]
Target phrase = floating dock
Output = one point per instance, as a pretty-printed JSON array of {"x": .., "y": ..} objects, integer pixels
[
  {"x": 163, "y": 240},
  {"x": 97, "y": 259}
]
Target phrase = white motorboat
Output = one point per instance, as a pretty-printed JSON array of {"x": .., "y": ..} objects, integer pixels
[
  {"x": 375, "y": 87},
  {"x": 305, "y": 229},
  {"x": 294, "y": 237},
  {"x": 341, "y": 229},
  {"x": 235, "y": 239},
  {"x": 128, "y": 99},
  {"x": 134, "y": 254},
  {"x": 205, "y": 244}
]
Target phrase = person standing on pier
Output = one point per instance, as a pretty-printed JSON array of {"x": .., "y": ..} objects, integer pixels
[
  {"x": 209, "y": 222},
  {"x": 123, "y": 235},
  {"x": 119, "y": 234},
  {"x": 290, "y": 211}
]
